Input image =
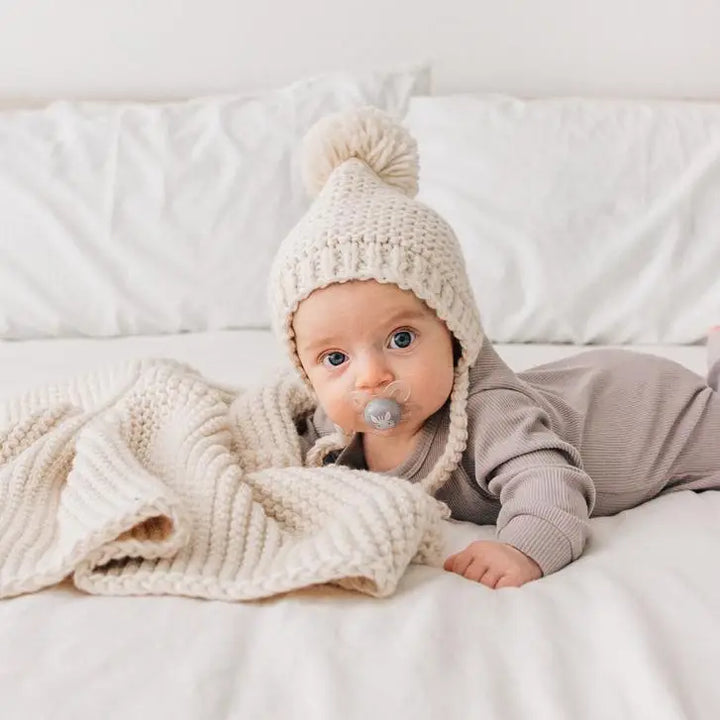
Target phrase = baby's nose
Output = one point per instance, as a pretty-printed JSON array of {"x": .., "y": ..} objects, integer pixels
[{"x": 373, "y": 372}]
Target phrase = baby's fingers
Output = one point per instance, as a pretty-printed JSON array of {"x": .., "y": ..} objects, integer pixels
[
  {"x": 477, "y": 569},
  {"x": 459, "y": 562},
  {"x": 492, "y": 577},
  {"x": 512, "y": 580}
]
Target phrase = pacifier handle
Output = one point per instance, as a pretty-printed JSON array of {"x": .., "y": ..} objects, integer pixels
[{"x": 398, "y": 391}]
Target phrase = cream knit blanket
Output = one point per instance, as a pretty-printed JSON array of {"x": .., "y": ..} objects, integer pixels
[{"x": 147, "y": 478}]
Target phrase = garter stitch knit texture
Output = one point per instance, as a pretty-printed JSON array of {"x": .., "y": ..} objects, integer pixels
[
  {"x": 365, "y": 224},
  {"x": 147, "y": 478}
]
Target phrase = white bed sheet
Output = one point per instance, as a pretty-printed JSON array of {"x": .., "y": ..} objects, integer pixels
[{"x": 631, "y": 630}]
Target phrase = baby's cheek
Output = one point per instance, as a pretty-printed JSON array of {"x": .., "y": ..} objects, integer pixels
[{"x": 338, "y": 409}]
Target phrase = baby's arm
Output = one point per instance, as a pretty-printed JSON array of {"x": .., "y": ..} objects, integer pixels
[{"x": 545, "y": 495}]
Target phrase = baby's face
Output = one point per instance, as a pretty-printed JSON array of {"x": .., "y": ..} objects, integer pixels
[{"x": 363, "y": 335}]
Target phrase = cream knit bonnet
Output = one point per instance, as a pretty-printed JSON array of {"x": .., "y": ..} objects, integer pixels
[{"x": 364, "y": 223}]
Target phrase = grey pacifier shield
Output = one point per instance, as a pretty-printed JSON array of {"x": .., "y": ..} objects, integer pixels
[{"x": 382, "y": 413}]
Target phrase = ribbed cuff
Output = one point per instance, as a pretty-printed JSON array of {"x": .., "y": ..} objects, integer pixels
[{"x": 540, "y": 540}]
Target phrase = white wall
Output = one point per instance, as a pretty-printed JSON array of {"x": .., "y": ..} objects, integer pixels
[{"x": 166, "y": 48}]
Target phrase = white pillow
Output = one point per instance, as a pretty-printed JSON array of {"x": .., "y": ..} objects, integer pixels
[
  {"x": 136, "y": 218},
  {"x": 587, "y": 221}
]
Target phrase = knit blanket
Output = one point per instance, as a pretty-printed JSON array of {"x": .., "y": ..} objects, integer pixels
[{"x": 148, "y": 478}]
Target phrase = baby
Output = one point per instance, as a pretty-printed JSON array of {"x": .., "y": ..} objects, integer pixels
[{"x": 371, "y": 297}]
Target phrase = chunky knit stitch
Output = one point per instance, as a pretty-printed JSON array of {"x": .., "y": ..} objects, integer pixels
[{"x": 146, "y": 478}]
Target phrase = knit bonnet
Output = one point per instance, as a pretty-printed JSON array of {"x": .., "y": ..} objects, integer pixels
[{"x": 364, "y": 223}]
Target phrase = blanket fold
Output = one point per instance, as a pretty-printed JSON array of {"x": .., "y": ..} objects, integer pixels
[{"x": 147, "y": 478}]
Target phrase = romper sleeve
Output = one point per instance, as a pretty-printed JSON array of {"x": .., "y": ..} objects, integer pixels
[{"x": 545, "y": 495}]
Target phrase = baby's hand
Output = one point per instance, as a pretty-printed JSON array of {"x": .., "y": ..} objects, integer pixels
[{"x": 494, "y": 564}]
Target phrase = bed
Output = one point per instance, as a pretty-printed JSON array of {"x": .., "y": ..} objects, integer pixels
[
  {"x": 629, "y": 630},
  {"x": 588, "y": 214}
]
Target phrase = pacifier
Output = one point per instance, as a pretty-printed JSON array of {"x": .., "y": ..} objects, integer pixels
[{"x": 383, "y": 410}]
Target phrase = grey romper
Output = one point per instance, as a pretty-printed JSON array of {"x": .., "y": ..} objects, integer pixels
[{"x": 585, "y": 436}]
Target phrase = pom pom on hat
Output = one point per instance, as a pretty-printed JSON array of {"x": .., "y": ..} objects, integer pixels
[{"x": 368, "y": 134}]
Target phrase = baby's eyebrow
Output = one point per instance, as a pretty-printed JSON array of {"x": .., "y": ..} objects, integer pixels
[
  {"x": 310, "y": 346},
  {"x": 410, "y": 314},
  {"x": 406, "y": 315}
]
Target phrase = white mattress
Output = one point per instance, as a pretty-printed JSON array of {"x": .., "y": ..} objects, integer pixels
[{"x": 631, "y": 630}]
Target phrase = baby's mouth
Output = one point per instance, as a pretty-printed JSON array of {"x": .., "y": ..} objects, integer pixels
[
  {"x": 383, "y": 413},
  {"x": 385, "y": 410}
]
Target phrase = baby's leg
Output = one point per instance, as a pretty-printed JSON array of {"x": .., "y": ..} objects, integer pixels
[
  {"x": 697, "y": 467},
  {"x": 713, "y": 358}
]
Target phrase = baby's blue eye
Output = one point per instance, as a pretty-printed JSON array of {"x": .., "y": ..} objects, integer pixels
[
  {"x": 402, "y": 339},
  {"x": 335, "y": 358}
]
